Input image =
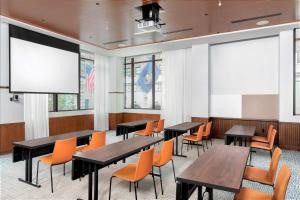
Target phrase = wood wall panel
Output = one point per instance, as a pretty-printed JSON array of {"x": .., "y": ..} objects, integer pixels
[
  {"x": 60, "y": 125},
  {"x": 116, "y": 118},
  {"x": 200, "y": 119},
  {"x": 10, "y": 133},
  {"x": 289, "y": 135}
]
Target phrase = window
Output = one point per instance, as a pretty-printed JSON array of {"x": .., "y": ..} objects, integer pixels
[
  {"x": 297, "y": 72},
  {"x": 141, "y": 92},
  {"x": 85, "y": 99}
]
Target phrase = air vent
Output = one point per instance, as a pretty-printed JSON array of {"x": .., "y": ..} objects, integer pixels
[
  {"x": 178, "y": 31},
  {"x": 116, "y": 41},
  {"x": 256, "y": 18}
]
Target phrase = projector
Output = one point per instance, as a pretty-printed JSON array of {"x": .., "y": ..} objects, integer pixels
[{"x": 150, "y": 21}]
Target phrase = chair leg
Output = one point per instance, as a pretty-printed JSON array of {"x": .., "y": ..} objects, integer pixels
[
  {"x": 162, "y": 190},
  {"x": 203, "y": 146},
  {"x": 154, "y": 183},
  {"x": 197, "y": 144},
  {"x": 135, "y": 190},
  {"x": 206, "y": 143},
  {"x": 271, "y": 153},
  {"x": 37, "y": 171},
  {"x": 210, "y": 141},
  {"x": 250, "y": 156},
  {"x": 110, "y": 187},
  {"x": 173, "y": 170},
  {"x": 51, "y": 178},
  {"x": 129, "y": 186},
  {"x": 64, "y": 169}
]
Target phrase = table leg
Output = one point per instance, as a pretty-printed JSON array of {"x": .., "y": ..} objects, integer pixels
[
  {"x": 95, "y": 183},
  {"x": 226, "y": 140},
  {"x": 234, "y": 141},
  {"x": 210, "y": 193},
  {"x": 182, "y": 191},
  {"x": 245, "y": 142},
  {"x": 122, "y": 132},
  {"x": 176, "y": 146},
  {"x": 200, "y": 197},
  {"x": 241, "y": 141}
]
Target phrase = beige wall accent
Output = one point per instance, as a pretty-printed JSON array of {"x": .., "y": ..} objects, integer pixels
[{"x": 260, "y": 106}]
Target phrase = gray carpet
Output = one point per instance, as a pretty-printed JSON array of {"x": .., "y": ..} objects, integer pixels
[{"x": 65, "y": 188}]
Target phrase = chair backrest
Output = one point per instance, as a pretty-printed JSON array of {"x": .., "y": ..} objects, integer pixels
[
  {"x": 64, "y": 150},
  {"x": 144, "y": 164},
  {"x": 272, "y": 138},
  {"x": 274, "y": 164},
  {"x": 200, "y": 133},
  {"x": 98, "y": 140},
  {"x": 166, "y": 151},
  {"x": 149, "y": 128},
  {"x": 270, "y": 131},
  {"x": 208, "y": 128},
  {"x": 282, "y": 183},
  {"x": 161, "y": 125}
]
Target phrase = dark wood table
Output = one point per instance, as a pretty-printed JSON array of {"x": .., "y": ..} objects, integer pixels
[
  {"x": 90, "y": 162},
  {"x": 128, "y": 127},
  {"x": 221, "y": 167},
  {"x": 26, "y": 150},
  {"x": 179, "y": 129},
  {"x": 241, "y": 133}
]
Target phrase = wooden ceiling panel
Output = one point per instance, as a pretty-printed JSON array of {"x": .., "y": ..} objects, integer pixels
[{"x": 109, "y": 23}]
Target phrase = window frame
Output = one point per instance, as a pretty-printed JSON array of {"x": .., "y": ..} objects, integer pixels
[
  {"x": 132, "y": 63},
  {"x": 78, "y": 108}
]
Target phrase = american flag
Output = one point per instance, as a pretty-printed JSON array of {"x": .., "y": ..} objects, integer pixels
[{"x": 90, "y": 77}]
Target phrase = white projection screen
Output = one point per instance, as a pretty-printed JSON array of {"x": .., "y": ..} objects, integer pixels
[{"x": 43, "y": 65}]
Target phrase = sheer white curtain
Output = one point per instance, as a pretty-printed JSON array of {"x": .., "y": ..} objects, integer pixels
[
  {"x": 176, "y": 101},
  {"x": 36, "y": 116},
  {"x": 101, "y": 92}
]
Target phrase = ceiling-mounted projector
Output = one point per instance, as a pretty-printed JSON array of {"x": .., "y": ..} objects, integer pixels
[{"x": 150, "y": 21}]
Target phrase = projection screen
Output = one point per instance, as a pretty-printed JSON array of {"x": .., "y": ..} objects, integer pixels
[{"x": 42, "y": 64}]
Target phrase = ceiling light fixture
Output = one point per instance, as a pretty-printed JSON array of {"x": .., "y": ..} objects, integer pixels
[
  {"x": 219, "y": 3},
  {"x": 262, "y": 22}
]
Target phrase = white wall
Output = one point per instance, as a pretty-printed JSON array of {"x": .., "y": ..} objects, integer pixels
[
  {"x": 200, "y": 81},
  {"x": 286, "y": 72},
  {"x": 242, "y": 68}
]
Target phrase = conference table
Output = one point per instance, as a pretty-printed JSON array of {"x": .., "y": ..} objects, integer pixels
[
  {"x": 221, "y": 167},
  {"x": 26, "y": 150},
  {"x": 179, "y": 129},
  {"x": 128, "y": 127},
  {"x": 87, "y": 163},
  {"x": 241, "y": 133}
]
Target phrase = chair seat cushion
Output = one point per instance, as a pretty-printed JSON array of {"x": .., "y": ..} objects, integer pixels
[
  {"x": 260, "y": 145},
  {"x": 126, "y": 173},
  {"x": 192, "y": 138},
  {"x": 251, "y": 194},
  {"x": 260, "y": 139},
  {"x": 141, "y": 133},
  {"x": 46, "y": 159},
  {"x": 257, "y": 175}
]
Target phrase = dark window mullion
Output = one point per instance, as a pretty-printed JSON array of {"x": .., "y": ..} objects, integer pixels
[
  {"x": 153, "y": 81},
  {"x": 132, "y": 82}
]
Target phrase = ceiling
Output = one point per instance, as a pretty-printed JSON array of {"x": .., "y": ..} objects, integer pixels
[{"x": 110, "y": 24}]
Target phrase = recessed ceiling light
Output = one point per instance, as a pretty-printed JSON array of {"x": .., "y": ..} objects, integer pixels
[
  {"x": 220, "y": 3},
  {"x": 206, "y": 14},
  {"x": 262, "y": 22},
  {"x": 97, "y": 3}
]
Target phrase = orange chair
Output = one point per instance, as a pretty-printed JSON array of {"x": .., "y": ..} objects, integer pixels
[
  {"x": 136, "y": 172},
  {"x": 98, "y": 140},
  {"x": 147, "y": 131},
  {"x": 206, "y": 134},
  {"x": 62, "y": 153},
  {"x": 263, "y": 139},
  {"x": 279, "y": 191},
  {"x": 264, "y": 146},
  {"x": 266, "y": 177},
  {"x": 162, "y": 158},
  {"x": 160, "y": 127},
  {"x": 194, "y": 139}
]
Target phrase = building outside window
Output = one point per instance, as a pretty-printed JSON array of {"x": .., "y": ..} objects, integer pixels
[{"x": 141, "y": 92}]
